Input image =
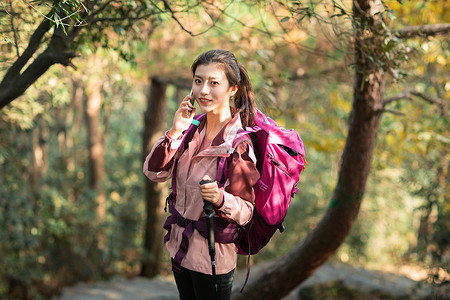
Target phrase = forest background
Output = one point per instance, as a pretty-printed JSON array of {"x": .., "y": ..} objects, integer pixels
[{"x": 72, "y": 194}]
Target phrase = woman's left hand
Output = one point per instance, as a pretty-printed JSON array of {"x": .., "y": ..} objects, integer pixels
[{"x": 210, "y": 191}]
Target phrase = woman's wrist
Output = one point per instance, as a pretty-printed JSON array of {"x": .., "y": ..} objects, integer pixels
[
  {"x": 219, "y": 202},
  {"x": 174, "y": 134}
]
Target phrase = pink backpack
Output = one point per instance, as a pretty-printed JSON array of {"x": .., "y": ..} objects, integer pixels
[{"x": 280, "y": 156}]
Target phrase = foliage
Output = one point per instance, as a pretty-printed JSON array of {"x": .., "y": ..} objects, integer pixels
[
  {"x": 387, "y": 228},
  {"x": 50, "y": 227},
  {"x": 416, "y": 143},
  {"x": 297, "y": 55},
  {"x": 62, "y": 13}
]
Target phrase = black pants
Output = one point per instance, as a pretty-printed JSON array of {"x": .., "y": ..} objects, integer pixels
[{"x": 198, "y": 286}]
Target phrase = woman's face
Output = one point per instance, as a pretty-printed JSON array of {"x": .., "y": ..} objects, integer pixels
[{"x": 212, "y": 89}]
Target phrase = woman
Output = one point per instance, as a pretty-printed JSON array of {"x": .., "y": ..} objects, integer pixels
[{"x": 217, "y": 78}]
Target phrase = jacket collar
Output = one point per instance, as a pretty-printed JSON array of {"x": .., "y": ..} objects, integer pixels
[{"x": 228, "y": 132}]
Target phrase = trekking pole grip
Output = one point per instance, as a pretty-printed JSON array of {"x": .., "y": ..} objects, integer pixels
[
  {"x": 209, "y": 214},
  {"x": 207, "y": 206}
]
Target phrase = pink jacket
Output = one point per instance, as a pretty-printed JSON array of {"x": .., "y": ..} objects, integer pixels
[{"x": 237, "y": 197}]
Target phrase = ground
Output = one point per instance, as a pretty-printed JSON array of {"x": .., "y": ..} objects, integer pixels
[{"x": 331, "y": 281}]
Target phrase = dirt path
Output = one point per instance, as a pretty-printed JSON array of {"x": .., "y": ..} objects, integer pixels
[
  {"x": 120, "y": 288},
  {"x": 377, "y": 284}
]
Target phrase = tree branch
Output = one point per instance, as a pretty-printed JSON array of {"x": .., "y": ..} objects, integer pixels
[
  {"x": 56, "y": 53},
  {"x": 407, "y": 95},
  {"x": 439, "y": 102},
  {"x": 394, "y": 112},
  {"x": 172, "y": 13},
  {"x": 122, "y": 19},
  {"x": 423, "y": 30},
  {"x": 41, "y": 64},
  {"x": 13, "y": 28},
  {"x": 35, "y": 42}
]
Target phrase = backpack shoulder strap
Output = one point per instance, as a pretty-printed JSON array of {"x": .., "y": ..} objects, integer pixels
[
  {"x": 222, "y": 165},
  {"x": 188, "y": 135}
]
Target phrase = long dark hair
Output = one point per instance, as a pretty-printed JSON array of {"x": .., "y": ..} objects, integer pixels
[{"x": 236, "y": 75}]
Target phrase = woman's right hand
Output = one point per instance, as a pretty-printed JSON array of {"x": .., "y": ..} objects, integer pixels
[{"x": 183, "y": 118}]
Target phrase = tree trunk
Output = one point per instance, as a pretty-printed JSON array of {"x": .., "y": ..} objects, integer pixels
[
  {"x": 78, "y": 95},
  {"x": 322, "y": 242},
  {"x": 96, "y": 148},
  {"x": 155, "y": 193},
  {"x": 39, "y": 161},
  {"x": 72, "y": 121}
]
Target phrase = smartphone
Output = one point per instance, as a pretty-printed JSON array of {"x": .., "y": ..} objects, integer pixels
[
  {"x": 192, "y": 98},
  {"x": 192, "y": 102}
]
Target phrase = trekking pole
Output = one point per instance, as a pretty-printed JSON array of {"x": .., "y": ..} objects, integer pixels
[{"x": 209, "y": 213}]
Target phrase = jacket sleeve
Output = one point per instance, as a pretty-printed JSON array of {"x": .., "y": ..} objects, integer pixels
[
  {"x": 237, "y": 197},
  {"x": 158, "y": 165}
]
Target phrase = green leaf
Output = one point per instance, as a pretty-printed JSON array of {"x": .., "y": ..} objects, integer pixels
[{"x": 301, "y": 19}]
